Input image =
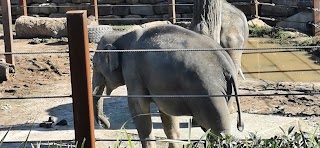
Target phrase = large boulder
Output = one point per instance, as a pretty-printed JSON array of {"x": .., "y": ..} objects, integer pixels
[
  {"x": 31, "y": 27},
  {"x": 257, "y": 23}
]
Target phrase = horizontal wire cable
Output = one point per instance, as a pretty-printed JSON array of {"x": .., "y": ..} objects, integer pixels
[
  {"x": 295, "y": 48},
  {"x": 36, "y": 97},
  {"x": 200, "y": 96},
  {"x": 292, "y": 48},
  {"x": 167, "y": 96},
  {"x": 280, "y": 71},
  {"x": 34, "y": 52}
]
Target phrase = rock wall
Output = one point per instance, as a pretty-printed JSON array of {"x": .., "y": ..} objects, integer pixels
[{"x": 151, "y": 10}]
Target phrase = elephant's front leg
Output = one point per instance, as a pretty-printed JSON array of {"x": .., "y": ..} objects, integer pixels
[
  {"x": 171, "y": 128},
  {"x": 98, "y": 85},
  {"x": 140, "y": 111}
]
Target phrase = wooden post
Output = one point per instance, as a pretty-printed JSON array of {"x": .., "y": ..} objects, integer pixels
[
  {"x": 7, "y": 28},
  {"x": 23, "y": 7},
  {"x": 172, "y": 11},
  {"x": 316, "y": 18},
  {"x": 81, "y": 77},
  {"x": 94, "y": 9},
  {"x": 256, "y": 7}
]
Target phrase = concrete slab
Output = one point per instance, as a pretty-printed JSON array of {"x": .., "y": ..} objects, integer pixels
[{"x": 265, "y": 126}]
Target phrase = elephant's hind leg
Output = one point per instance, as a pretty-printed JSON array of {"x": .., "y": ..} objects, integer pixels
[
  {"x": 140, "y": 111},
  {"x": 171, "y": 128}
]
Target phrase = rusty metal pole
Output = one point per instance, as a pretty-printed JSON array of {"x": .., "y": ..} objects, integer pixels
[
  {"x": 23, "y": 7},
  {"x": 80, "y": 77},
  {"x": 94, "y": 9},
  {"x": 316, "y": 18},
  {"x": 256, "y": 7},
  {"x": 7, "y": 29},
  {"x": 172, "y": 11}
]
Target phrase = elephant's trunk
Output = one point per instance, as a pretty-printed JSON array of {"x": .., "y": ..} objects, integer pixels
[
  {"x": 98, "y": 86},
  {"x": 240, "y": 124}
]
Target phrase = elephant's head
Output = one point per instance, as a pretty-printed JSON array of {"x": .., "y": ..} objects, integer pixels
[{"x": 107, "y": 73}]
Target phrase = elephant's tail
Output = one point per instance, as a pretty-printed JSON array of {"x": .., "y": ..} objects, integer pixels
[{"x": 240, "y": 124}]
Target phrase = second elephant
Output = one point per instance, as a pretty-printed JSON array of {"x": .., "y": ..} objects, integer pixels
[{"x": 234, "y": 31}]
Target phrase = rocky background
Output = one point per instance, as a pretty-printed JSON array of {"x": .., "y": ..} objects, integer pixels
[{"x": 150, "y": 10}]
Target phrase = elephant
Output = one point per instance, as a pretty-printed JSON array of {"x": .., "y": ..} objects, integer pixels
[
  {"x": 234, "y": 31},
  {"x": 207, "y": 77}
]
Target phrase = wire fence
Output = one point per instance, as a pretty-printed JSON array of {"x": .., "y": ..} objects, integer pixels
[
  {"x": 144, "y": 18},
  {"x": 284, "y": 49}
]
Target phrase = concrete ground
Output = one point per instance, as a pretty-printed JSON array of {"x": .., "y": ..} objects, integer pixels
[{"x": 265, "y": 126}]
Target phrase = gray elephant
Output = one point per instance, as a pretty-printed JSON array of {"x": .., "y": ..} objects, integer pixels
[
  {"x": 234, "y": 31},
  {"x": 167, "y": 73}
]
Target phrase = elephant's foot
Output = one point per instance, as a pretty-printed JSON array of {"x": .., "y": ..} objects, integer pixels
[{"x": 103, "y": 121}]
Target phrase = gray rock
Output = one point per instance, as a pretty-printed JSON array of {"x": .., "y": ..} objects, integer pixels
[
  {"x": 148, "y": 1},
  {"x": 106, "y": 9},
  {"x": 110, "y": 20},
  {"x": 61, "y": 1},
  {"x": 71, "y": 6},
  {"x": 57, "y": 15},
  {"x": 152, "y": 18},
  {"x": 167, "y": 17},
  {"x": 278, "y": 11},
  {"x": 161, "y": 8},
  {"x": 34, "y": 9},
  {"x": 80, "y": 1},
  {"x": 110, "y": 1},
  {"x": 15, "y": 10},
  {"x": 187, "y": 16},
  {"x": 184, "y": 1},
  {"x": 142, "y": 10},
  {"x": 132, "y": 1},
  {"x": 184, "y": 8},
  {"x": 121, "y": 10},
  {"x": 40, "y": 1},
  {"x": 45, "y": 8},
  {"x": 132, "y": 19},
  {"x": 293, "y": 21},
  {"x": 14, "y": 2},
  {"x": 31, "y": 27}
]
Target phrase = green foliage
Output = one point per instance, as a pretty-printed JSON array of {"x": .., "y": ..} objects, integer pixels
[
  {"x": 289, "y": 139},
  {"x": 259, "y": 31}
]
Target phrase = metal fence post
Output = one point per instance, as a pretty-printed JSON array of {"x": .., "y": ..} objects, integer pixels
[
  {"x": 23, "y": 7},
  {"x": 80, "y": 77},
  {"x": 256, "y": 8},
  {"x": 94, "y": 9},
  {"x": 7, "y": 29},
  {"x": 316, "y": 18},
  {"x": 172, "y": 11}
]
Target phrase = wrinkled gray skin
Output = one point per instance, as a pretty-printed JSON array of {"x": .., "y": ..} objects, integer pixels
[
  {"x": 166, "y": 73},
  {"x": 234, "y": 34},
  {"x": 3, "y": 72},
  {"x": 234, "y": 31}
]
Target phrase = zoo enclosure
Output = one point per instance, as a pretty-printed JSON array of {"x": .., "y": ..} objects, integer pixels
[
  {"x": 254, "y": 7},
  {"x": 76, "y": 37}
]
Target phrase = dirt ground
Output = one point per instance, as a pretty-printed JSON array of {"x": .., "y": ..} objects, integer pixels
[{"x": 49, "y": 75}]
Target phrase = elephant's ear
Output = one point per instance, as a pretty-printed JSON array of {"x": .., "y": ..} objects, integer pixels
[{"x": 113, "y": 57}]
